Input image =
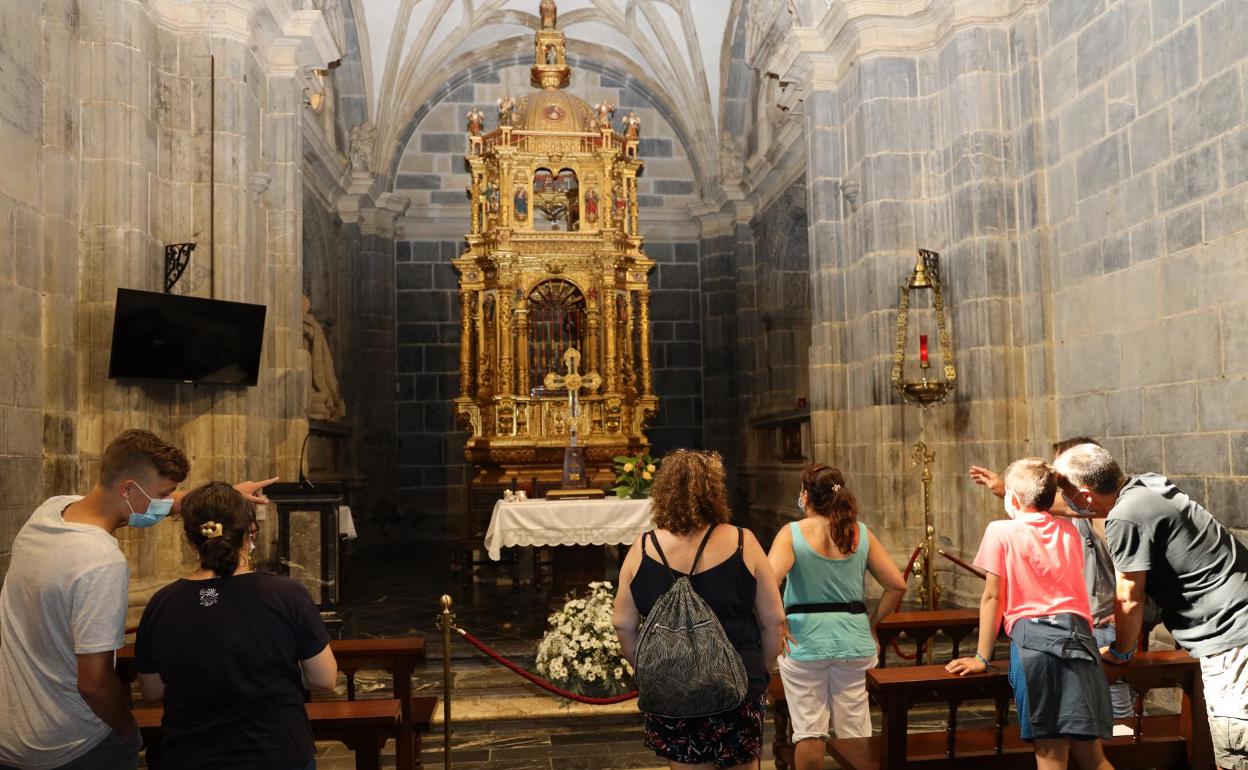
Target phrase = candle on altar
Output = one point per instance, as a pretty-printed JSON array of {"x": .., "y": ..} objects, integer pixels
[{"x": 923, "y": 362}]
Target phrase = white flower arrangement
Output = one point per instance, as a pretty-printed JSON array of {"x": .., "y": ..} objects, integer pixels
[{"x": 580, "y": 651}]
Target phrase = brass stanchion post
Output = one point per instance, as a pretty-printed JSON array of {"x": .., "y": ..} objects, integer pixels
[{"x": 446, "y": 620}]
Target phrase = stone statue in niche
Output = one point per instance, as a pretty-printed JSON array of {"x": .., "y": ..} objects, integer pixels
[
  {"x": 731, "y": 156},
  {"x": 324, "y": 397},
  {"x": 549, "y": 13},
  {"x": 363, "y": 137}
]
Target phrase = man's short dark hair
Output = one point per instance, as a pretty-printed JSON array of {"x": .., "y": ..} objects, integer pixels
[
  {"x": 138, "y": 452},
  {"x": 1091, "y": 466}
]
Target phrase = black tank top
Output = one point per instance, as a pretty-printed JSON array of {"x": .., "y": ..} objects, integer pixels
[{"x": 728, "y": 589}]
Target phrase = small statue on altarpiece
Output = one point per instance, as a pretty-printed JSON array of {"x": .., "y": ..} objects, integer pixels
[
  {"x": 591, "y": 206},
  {"x": 550, "y": 13},
  {"x": 476, "y": 121},
  {"x": 521, "y": 202},
  {"x": 605, "y": 110},
  {"x": 506, "y": 110},
  {"x": 632, "y": 126}
]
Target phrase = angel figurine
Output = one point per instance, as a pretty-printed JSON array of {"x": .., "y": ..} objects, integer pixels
[
  {"x": 476, "y": 121},
  {"x": 605, "y": 110},
  {"x": 632, "y": 126},
  {"x": 506, "y": 110}
]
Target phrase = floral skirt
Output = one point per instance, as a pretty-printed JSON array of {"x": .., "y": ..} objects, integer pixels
[{"x": 723, "y": 740}]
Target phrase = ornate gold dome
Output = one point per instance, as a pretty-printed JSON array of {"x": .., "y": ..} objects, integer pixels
[{"x": 553, "y": 110}]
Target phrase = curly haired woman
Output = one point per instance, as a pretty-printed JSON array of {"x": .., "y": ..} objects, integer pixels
[
  {"x": 230, "y": 650},
  {"x": 733, "y": 577},
  {"x": 825, "y": 556}
]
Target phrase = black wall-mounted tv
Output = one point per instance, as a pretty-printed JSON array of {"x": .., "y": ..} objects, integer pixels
[{"x": 185, "y": 339}]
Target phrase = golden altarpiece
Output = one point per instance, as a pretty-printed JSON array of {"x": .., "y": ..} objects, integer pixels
[{"x": 554, "y": 262}]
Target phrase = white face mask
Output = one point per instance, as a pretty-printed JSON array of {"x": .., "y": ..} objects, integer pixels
[{"x": 1010, "y": 510}]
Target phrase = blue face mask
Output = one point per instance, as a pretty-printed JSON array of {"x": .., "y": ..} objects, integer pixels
[{"x": 156, "y": 510}]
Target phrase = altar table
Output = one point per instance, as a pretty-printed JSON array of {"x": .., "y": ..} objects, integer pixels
[{"x": 565, "y": 522}]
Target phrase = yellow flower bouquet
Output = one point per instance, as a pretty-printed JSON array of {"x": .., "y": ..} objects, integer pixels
[{"x": 633, "y": 476}]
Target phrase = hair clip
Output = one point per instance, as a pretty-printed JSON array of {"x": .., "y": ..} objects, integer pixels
[
  {"x": 836, "y": 487},
  {"x": 211, "y": 529}
]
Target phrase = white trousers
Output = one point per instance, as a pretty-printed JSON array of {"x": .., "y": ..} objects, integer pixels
[{"x": 819, "y": 691}]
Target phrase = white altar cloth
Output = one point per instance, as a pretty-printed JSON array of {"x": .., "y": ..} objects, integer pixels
[{"x": 565, "y": 522}]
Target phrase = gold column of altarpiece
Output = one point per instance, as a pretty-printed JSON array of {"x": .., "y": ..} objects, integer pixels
[{"x": 554, "y": 261}]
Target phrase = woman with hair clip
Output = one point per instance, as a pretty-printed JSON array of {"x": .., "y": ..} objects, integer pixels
[
  {"x": 831, "y": 640},
  {"x": 231, "y": 650}
]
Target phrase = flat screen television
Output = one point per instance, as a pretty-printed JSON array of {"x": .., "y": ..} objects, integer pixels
[{"x": 185, "y": 339}]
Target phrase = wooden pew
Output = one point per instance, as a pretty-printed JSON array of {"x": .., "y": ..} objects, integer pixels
[
  {"x": 364, "y": 726},
  {"x": 396, "y": 656},
  {"x": 1158, "y": 741},
  {"x": 921, "y": 626}
]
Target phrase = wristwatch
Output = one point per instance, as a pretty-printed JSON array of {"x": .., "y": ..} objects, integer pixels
[{"x": 1121, "y": 657}]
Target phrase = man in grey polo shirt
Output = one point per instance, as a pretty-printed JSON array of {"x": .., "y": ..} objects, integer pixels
[{"x": 1166, "y": 545}]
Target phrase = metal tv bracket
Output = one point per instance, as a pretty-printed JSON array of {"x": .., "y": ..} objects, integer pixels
[{"x": 177, "y": 257}]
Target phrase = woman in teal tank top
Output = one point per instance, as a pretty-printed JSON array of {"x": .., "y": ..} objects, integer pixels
[{"x": 824, "y": 558}]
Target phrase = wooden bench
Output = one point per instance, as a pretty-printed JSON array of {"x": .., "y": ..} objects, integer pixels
[
  {"x": 1157, "y": 741},
  {"x": 396, "y": 656},
  {"x": 364, "y": 726},
  {"x": 921, "y": 626}
]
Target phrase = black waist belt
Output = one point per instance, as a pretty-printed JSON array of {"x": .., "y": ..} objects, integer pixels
[{"x": 854, "y": 608}]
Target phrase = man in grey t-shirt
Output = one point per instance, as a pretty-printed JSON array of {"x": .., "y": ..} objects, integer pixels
[
  {"x": 63, "y": 613},
  {"x": 1166, "y": 544}
]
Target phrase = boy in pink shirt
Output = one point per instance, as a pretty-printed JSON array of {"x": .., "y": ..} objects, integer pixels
[{"x": 1035, "y": 582}]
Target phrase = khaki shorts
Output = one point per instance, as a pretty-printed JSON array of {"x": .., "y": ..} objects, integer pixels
[{"x": 1226, "y": 697}]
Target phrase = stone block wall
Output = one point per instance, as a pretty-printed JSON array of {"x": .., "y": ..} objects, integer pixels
[
  {"x": 106, "y": 145},
  {"x": 432, "y": 473},
  {"x": 1079, "y": 168}
]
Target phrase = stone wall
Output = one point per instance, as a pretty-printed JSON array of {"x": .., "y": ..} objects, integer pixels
[
  {"x": 1079, "y": 168},
  {"x": 107, "y": 138},
  {"x": 432, "y": 474}
]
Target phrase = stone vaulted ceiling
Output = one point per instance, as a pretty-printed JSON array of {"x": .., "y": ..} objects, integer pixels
[{"x": 412, "y": 46}]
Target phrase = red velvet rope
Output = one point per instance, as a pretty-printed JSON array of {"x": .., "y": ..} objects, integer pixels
[{"x": 537, "y": 680}]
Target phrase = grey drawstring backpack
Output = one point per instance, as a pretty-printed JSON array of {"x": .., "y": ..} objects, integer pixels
[{"x": 686, "y": 666}]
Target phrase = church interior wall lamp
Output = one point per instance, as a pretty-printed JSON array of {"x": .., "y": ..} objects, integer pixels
[
  {"x": 922, "y": 289},
  {"x": 925, "y": 391}
]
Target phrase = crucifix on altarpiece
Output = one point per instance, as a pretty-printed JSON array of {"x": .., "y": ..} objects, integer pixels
[{"x": 573, "y": 381}]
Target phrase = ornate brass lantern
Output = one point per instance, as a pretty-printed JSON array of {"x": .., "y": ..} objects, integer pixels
[
  {"x": 554, "y": 263},
  {"x": 924, "y": 391}
]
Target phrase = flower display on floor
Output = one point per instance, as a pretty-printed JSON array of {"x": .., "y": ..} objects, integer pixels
[
  {"x": 580, "y": 651},
  {"x": 634, "y": 476}
]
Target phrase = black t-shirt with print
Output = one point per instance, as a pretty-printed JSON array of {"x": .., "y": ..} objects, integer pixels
[{"x": 228, "y": 651}]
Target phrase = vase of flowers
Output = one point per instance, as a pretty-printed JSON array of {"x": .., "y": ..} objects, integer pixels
[
  {"x": 580, "y": 651},
  {"x": 634, "y": 476}
]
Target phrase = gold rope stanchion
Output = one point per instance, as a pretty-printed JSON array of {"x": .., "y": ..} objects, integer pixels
[{"x": 446, "y": 621}]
